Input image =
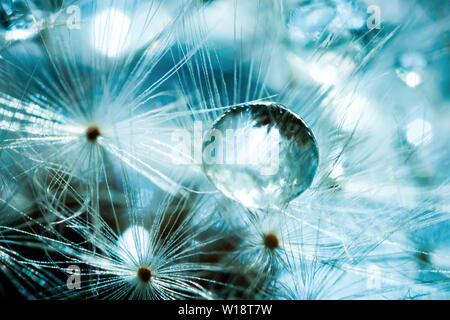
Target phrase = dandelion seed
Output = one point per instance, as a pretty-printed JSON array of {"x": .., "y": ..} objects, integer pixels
[
  {"x": 157, "y": 259},
  {"x": 63, "y": 100}
]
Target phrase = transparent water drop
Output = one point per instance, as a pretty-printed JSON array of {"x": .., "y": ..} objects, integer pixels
[{"x": 262, "y": 155}]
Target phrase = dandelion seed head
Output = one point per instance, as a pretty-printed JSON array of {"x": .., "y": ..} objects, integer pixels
[{"x": 86, "y": 126}]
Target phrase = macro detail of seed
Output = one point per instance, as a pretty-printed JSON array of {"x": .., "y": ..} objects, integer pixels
[
  {"x": 271, "y": 241},
  {"x": 144, "y": 274},
  {"x": 92, "y": 133}
]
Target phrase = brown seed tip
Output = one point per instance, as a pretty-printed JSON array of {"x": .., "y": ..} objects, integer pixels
[
  {"x": 271, "y": 241},
  {"x": 92, "y": 133},
  {"x": 144, "y": 274}
]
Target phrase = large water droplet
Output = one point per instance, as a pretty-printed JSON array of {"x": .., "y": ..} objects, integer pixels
[{"x": 262, "y": 155}]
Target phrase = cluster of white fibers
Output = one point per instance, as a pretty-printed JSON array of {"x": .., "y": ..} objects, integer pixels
[{"x": 106, "y": 108}]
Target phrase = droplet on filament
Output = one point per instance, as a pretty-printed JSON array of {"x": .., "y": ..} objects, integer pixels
[{"x": 261, "y": 154}]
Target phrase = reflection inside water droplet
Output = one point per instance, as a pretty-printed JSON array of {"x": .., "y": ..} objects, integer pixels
[{"x": 262, "y": 155}]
